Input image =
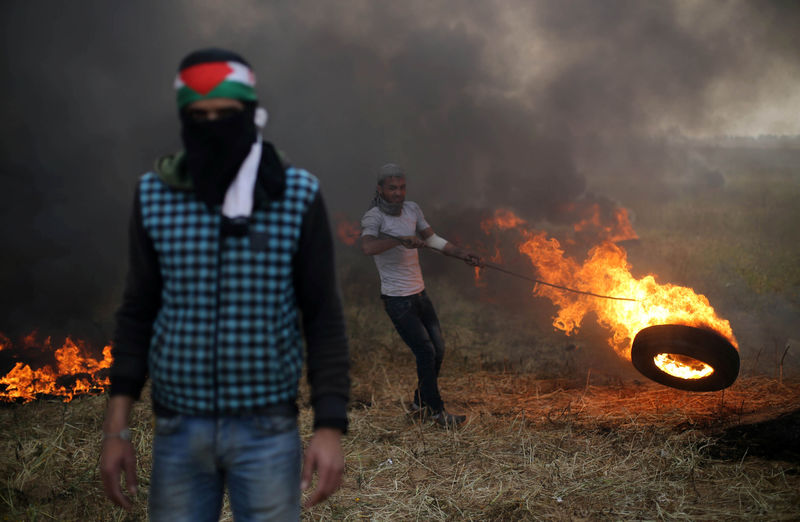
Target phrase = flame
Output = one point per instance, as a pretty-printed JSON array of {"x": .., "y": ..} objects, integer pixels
[
  {"x": 503, "y": 219},
  {"x": 347, "y": 231},
  {"x": 74, "y": 373},
  {"x": 611, "y": 224},
  {"x": 682, "y": 366},
  {"x": 478, "y": 280},
  {"x": 494, "y": 258},
  {"x": 623, "y": 230},
  {"x": 606, "y": 271}
]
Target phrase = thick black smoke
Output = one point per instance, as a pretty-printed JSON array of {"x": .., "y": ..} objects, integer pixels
[{"x": 485, "y": 104}]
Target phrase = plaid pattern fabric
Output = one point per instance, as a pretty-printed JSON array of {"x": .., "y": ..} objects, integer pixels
[{"x": 227, "y": 336}]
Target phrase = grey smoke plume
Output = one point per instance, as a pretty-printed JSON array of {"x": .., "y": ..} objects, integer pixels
[{"x": 484, "y": 103}]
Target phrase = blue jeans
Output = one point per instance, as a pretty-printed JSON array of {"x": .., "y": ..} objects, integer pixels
[
  {"x": 258, "y": 458},
  {"x": 415, "y": 320}
]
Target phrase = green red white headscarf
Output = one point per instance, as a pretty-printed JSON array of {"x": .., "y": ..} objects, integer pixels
[{"x": 214, "y": 73}]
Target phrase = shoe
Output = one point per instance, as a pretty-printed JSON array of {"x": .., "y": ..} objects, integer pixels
[
  {"x": 415, "y": 410},
  {"x": 445, "y": 419}
]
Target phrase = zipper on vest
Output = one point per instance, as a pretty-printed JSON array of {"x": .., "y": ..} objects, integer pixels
[{"x": 214, "y": 365}]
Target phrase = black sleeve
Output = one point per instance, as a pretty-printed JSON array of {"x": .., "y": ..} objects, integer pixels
[
  {"x": 140, "y": 303},
  {"x": 323, "y": 321}
]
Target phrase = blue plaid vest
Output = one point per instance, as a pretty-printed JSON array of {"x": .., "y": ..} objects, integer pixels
[{"x": 227, "y": 337}]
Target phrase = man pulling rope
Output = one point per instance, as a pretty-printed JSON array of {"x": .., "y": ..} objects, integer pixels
[{"x": 402, "y": 287}]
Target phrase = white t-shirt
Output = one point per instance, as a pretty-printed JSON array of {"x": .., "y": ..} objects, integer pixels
[{"x": 399, "y": 266}]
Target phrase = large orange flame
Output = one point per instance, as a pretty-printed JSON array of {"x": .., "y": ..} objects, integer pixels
[
  {"x": 606, "y": 271},
  {"x": 75, "y": 372}
]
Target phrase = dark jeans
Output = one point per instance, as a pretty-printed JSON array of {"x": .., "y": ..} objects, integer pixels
[{"x": 416, "y": 322}]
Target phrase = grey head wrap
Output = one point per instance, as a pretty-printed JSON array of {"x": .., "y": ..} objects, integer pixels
[{"x": 390, "y": 170}]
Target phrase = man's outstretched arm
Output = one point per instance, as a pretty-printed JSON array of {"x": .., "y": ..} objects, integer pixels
[
  {"x": 374, "y": 243},
  {"x": 449, "y": 248},
  {"x": 371, "y": 245}
]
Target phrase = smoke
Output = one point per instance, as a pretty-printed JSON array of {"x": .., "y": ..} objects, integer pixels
[{"x": 484, "y": 103}]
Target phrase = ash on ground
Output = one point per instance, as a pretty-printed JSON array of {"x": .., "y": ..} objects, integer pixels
[{"x": 774, "y": 439}]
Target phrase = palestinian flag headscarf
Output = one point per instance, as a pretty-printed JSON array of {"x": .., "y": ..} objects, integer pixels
[
  {"x": 215, "y": 149},
  {"x": 214, "y": 73}
]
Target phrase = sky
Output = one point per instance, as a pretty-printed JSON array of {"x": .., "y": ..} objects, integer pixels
[{"x": 484, "y": 103}]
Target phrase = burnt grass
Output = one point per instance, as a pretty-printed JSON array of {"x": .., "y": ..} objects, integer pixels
[{"x": 772, "y": 439}]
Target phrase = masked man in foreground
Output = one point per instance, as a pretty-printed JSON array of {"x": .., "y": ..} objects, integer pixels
[
  {"x": 230, "y": 253},
  {"x": 392, "y": 231}
]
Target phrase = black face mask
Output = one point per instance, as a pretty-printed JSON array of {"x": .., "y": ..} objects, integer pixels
[{"x": 215, "y": 150}]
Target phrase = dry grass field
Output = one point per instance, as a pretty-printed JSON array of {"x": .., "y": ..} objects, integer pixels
[
  {"x": 532, "y": 449},
  {"x": 558, "y": 427}
]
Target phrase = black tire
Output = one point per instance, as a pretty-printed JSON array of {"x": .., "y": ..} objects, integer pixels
[{"x": 701, "y": 344}]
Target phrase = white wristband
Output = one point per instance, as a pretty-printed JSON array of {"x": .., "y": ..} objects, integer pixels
[{"x": 436, "y": 242}]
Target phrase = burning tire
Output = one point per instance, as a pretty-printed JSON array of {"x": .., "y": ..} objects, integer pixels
[{"x": 707, "y": 360}]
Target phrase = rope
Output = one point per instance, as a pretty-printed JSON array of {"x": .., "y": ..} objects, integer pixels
[{"x": 500, "y": 268}]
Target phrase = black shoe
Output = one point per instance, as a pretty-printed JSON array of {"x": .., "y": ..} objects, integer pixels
[
  {"x": 448, "y": 419},
  {"x": 415, "y": 410}
]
